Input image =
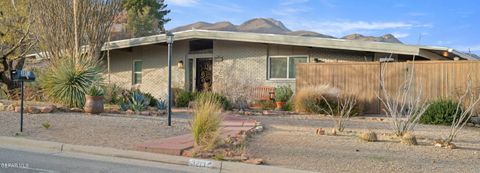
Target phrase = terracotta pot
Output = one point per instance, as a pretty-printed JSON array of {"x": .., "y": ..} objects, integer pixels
[
  {"x": 280, "y": 104},
  {"x": 93, "y": 104}
]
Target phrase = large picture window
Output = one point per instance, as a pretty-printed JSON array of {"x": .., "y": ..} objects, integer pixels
[
  {"x": 137, "y": 72},
  {"x": 283, "y": 67}
]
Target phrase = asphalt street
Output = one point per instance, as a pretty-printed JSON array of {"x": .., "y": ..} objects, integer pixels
[{"x": 22, "y": 161}]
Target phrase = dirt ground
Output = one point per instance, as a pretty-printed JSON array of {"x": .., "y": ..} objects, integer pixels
[
  {"x": 290, "y": 141},
  {"x": 96, "y": 130}
]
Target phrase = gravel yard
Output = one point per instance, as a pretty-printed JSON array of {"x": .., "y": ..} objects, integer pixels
[
  {"x": 290, "y": 141},
  {"x": 96, "y": 130}
]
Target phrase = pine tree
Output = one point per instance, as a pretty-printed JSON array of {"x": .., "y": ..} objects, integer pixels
[{"x": 146, "y": 17}]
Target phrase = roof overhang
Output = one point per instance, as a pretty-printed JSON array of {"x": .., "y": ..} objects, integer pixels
[{"x": 355, "y": 45}]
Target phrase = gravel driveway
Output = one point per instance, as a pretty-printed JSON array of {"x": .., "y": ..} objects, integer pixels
[
  {"x": 96, "y": 130},
  {"x": 291, "y": 142}
]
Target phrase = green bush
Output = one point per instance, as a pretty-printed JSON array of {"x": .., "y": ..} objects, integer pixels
[
  {"x": 95, "y": 90},
  {"x": 66, "y": 81},
  {"x": 283, "y": 93},
  {"x": 267, "y": 105},
  {"x": 441, "y": 112},
  {"x": 113, "y": 94},
  {"x": 183, "y": 98},
  {"x": 287, "y": 107}
]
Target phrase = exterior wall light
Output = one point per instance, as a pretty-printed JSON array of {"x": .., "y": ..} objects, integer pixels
[{"x": 180, "y": 64}]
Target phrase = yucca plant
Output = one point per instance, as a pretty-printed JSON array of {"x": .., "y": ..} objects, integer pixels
[
  {"x": 206, "y": 121},
  {"x": 67, "y": 80}
]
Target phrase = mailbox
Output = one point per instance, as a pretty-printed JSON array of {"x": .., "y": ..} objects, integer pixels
[{"x": 21, "y": 75}]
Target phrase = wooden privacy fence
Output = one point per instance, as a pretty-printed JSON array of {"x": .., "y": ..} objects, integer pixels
[{"x": 436, "y": 79}]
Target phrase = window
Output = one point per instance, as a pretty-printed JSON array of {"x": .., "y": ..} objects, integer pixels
[
  {"x": 137, "y": 72},
  {"x": 201, "y": 46},
  {"x": 283, "y": 67}
]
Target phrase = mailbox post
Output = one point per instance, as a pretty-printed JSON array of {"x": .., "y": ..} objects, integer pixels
[{"x": 22, "y": 77}]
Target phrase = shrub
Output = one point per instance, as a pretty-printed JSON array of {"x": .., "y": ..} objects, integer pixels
[
  {"x": 95, "y": 90},
  {"x": 409, "y": 139},
  {"x": 183, "y": 98},
  {"x": 66, "y": 81},
  {"x": 206, "y": 121},
  {"x": 112, "y": 94},
  {"x": 288, "y": 106},
  {"x": 266, "y": 105},
  {"x": 283, "y": 93},
  {"x": 224, "y": 102},
  {"x": 311, "y": 99},
  {"x": 441, "y": 112}
]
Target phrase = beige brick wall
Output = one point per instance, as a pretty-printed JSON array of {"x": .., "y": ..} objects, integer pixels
[
  {"x": 243, "y": 65},
  {"x": 155, "y": 70}
]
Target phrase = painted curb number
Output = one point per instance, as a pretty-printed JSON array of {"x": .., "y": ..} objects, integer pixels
[{"x": 200, "y": 163}]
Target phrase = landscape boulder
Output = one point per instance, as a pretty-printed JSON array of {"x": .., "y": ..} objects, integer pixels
[
  {"x": 48, "y": 109},
  {"x": 33, "y": 110}
]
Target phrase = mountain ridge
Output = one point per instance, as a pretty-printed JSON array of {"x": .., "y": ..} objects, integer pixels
[{"x": 272, "y": 26}]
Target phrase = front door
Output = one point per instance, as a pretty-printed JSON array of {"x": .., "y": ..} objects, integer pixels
[{"x": 203, "y": 74}]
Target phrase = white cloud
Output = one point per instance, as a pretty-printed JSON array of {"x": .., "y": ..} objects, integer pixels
[
  {"x": 228, "y": 7},
  {"x": 400, "y": 34},
  {"x": 290, "y": 2},
  {"x": 338, "y": 28},
  {"x": 182, "y": 2}
]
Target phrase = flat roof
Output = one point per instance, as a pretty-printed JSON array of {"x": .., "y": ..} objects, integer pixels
[{"x": 332, "y": 43}]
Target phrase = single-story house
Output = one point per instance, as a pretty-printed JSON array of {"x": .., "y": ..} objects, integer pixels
[{"x": 224, "y": 61}]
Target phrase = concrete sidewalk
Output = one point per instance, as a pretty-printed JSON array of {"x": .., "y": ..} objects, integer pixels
[{"x": 17, "y": 142}]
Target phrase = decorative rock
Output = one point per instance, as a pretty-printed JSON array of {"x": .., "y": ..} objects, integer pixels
[
  {"x": 244, "y": 156},
  {"x": 254, "y": 161},
  {"x": 10, "y": 108},
  {"x": 470, "y": 125},
  {"x": 477, "y": 125},
  {"x": 76, "y": 110},
  {"x": 63, "y": 109},
  {"x": 114, "y": 111},
  {"x": 241, "y": 112},
  {"x": 320, "y": 131},
  {"x": 451, "y": 146},
  {"x": 259, "y": 128},
  {"x": 265, "y": 112},
  {"x": 369, "y": 136},
  {"x": 334, "y": 132},
  {"x": 17, "y": 108},
  {"x": 438, "y": 143},
  {"x": 152, "y": 108},
  {"x": 129, "y": 112},
  {"x": 2, "y": 107},
  {"x": 47, "y": 109},
  {"x": 146, "y": 113},
  {"x": 33, "y": 110},
  {"x": 248, "y": 113},
  {"x": 475, "y": 120}
]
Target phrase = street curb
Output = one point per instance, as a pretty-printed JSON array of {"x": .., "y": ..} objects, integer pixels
[
  {"x": 60, "y": 147},
  {"x": 19, "y": 142}
]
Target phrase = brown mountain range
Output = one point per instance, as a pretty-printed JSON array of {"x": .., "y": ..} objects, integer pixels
[{"x": 272, "y": 26}]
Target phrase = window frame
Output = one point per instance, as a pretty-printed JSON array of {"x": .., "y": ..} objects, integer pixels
[
  {"x": 288, "y": 65},
  {"x": 135, "y": 72}
]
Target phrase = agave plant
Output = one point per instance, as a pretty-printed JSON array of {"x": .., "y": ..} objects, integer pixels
[
  {"x": 67, "y": 80},
  {"x": 95, "y": 90},
  {"x": 135, "y": 100},
  {"x": 161, "y": 104}
]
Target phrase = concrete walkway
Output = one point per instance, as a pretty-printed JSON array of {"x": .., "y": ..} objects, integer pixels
[{"x": 231, "y": 126}]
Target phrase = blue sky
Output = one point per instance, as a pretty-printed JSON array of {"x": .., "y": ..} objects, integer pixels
[{"x": 428, "y": 22}]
